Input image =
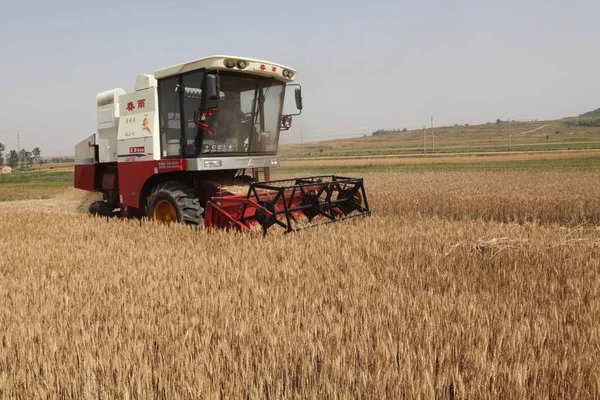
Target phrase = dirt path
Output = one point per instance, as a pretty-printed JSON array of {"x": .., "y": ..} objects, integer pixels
[{"x": 531, "y": 131}]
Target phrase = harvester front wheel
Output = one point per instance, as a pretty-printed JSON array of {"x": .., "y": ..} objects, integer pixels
[{"x": 172, "y": 202}]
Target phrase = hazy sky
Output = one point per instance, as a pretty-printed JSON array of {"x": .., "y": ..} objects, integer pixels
[{"x": 363, "y": 65}]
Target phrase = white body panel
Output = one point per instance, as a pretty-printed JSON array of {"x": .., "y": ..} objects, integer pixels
[
  {"x": 138, "y": 128},
  {"x": 108, "y": 123},
  {"x": 253, "y": 66},
  {"x": 145, "y": 81},
  {"x": 239, "y": 162},
  {"x": 84, "y": 151}
]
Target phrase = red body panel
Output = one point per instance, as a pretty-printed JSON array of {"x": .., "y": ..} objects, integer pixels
[
  {"x": 85, "y": 176},
  {"x": 133, "y": 176}
]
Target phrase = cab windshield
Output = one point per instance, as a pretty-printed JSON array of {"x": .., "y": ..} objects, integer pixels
[
  {"x": 247, "y": 117},
  {"x": 245, "y": 121}
]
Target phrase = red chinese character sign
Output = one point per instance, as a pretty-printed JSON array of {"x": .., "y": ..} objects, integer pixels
[
  {"x": 141, "y": 103},
  {"x": 130, "y": 106}
]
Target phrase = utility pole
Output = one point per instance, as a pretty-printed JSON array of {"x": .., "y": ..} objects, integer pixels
[
  {"x": 509, "y": 142},
  {"x": 424, "y": 148},
  {"x": 432, "y": 136},
  {"x": 301, "y": 145},
  {"x": 19, "y": 148}
]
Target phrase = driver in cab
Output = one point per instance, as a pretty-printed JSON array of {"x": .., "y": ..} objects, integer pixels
[{"x": 229, "y": 118}]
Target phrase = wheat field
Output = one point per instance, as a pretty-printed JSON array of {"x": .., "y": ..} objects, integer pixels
[{"x": 461, "y": 285}]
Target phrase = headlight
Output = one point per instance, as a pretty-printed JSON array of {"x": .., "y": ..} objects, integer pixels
[
  {"x": 230, "y": 63},
  {"x": 274, "y": 161},
  {"x": 242, "y": 64},
  {"x": 286, "y": 121},
  {"x": 212, "y": 163}
]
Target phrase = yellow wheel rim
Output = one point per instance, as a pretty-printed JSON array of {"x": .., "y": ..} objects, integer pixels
[{"x": 164, "y": 213}]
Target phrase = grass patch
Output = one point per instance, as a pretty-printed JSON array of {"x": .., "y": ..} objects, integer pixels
[{"x": 62, "y": 177}]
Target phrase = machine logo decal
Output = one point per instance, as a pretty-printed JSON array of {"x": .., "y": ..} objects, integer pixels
[
  {"x": 145, "y": 124},
  {"x": 141, "y": 103},
  {"x": 137, "y": 149}
]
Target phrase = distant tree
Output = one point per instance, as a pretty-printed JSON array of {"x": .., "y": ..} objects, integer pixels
[
  {"x": 2, "y": 148},
  {"x": 25, "y": 158},
  {"x": 28, "y": 159},
  {"x": 22, "y": 160},
  {"x": 404, "y": 130},
  {"x": 36, "y": 154},
  {"x": 498, "y": 120},
  {"x": 13, "y": 159}
]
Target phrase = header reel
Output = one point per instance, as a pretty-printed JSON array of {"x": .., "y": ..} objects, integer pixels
[{"x": 291, "y": 204}]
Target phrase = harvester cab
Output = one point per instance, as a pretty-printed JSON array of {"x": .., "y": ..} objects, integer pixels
[{"x": 190, "y": 143}]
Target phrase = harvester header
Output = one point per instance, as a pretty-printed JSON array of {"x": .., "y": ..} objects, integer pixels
[{"x": 197, "y": 136}]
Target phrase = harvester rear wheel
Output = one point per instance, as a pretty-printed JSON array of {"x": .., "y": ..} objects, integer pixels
[
  {"x": 174, "y": 201},
  {"x": 101, "y": 208}
]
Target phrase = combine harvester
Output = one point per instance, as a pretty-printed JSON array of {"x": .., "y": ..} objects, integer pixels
[{"x": 178, "y": 147}]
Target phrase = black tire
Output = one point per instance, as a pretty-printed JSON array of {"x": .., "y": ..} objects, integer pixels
[
  {"x": 182, "y": 198},
  {"x": 101, "y": 208}
]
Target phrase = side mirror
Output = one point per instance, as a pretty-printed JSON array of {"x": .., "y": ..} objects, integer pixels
[
  {"x": 298, "y": 93},
  {"x": 212, "y": 88}
]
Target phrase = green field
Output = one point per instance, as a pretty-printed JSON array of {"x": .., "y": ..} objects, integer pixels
[
  {"x": 566, "y": 134},
  {"x": 34, "y": 185}
]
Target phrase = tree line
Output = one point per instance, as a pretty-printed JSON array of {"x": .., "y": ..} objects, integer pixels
[
  {"x": 22, "y": 158},
  {"x": 388, "y": 131}
]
